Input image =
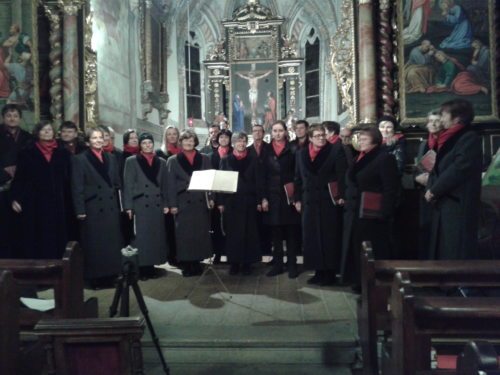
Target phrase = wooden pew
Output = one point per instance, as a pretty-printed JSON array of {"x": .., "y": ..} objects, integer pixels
[
  {"x": 416, "y": 320},
  {"x": 376, "y": 280},
  {"x": 9, "y": 325},
  {"x": 64, "y": 275}
]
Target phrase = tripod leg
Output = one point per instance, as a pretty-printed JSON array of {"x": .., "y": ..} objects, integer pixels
[
  {"x": 145, "y": 313},
  {"x": 116, "y": 298},
  {"x": 219, "y": 279},
  {"x": 125, "y": 305}
]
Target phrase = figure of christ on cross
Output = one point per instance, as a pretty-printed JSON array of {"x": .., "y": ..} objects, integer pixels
[{"x": 253, "y": 82}]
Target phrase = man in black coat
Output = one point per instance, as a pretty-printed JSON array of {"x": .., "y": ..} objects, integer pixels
[
  {"x": 12, "y": 140},
  {"x": 68, "y": 138},
  {"x": 212, "y": 145}
]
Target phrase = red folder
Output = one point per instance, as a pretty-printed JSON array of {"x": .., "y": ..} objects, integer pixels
[
  {"x": 289, "y": 191},
  {"x": 371, "y": 205},
  {"x": 333, "y": 189},
  {"x": 426, "y": 164}
]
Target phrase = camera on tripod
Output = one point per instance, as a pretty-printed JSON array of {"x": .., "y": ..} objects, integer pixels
[{"x": 130, "y": 260}]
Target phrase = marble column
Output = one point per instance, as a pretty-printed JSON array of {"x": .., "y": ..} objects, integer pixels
[
  {"x": 71, "y": 92},
  {"x": 367, "y": 73}
]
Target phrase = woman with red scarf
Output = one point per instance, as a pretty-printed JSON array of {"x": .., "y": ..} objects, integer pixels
[
  {"x": 95, "y": 184},
  {"x": 39, "y": 195},
  {"x": 145, "y": 200},
  {"x": 454, "y": 184},
  {"x": 280, "y": 215},
  {"x": 320, "y": 176},
  {"x": 169, "y": 147},
  {"x": 192, "y": 229},
  {"x": 240, "y": 209}
]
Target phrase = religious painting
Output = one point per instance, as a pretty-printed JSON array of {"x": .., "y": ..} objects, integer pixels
[
  {"x": 19, "y": 57},
  {"x": 253, "y": 95},
  {"x": 250, "y": 47},
  {"x": 447, "y": 51}
]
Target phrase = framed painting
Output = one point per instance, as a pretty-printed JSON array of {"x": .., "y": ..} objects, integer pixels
[
  {"x": 447, "y": 51},
  {"x": 253, "y": 95},
  {"x": 19, "y": 81},
  {"x": 254, "y": 47}
]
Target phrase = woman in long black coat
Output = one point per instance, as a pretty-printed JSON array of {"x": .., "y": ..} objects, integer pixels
[
  {"x": 240, "y": 209},
  {"x": 189, "y": 207},
  {"x": 95, "y": 185},
  {"x": 145, "y": 200},
  {"x": 39, "y": 195},
  {"x": 281, "y": 216},
  {"x": 375, "y": 171},
  {"x": 320, "y": 165},
  {"x": 454, "y": 185}
]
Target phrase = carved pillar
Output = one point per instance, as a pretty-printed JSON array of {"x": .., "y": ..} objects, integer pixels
[
  {"x": 218, "y": 81},
  {"x": 90, "y": 72},
  {"x": 55, "y": 56},
  {"x": 385, "y": 58},
  {"x": 289, "y": 73},
  {"x": 367, "y": 76},
  {"x": 70, "y": 59}
]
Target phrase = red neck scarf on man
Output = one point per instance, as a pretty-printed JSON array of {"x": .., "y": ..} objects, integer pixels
[
  {"x": 134, "y": 150},
  {"x": 223, "y": 151},
  {"x": 333, "y": 138},
  {"x": 432, "y": 140},
  {"x": 363, "y": 153},
  {"x": 173, "y": 148},
  {"x": 109, "y": 148},
  {"x": 314, "y": 151},
  {"x": 278, "y": 147},
  {"x": 240, "y": 155},
  {"x": 98, "y": 154},
  {"x": 447, "y": 134},
  {"x": 149, "y": 156},
  {"x": 190, "y": 156},
  {"x": 47, "y": 148}
]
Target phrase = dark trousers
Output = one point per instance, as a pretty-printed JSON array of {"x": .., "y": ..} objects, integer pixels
[
  {"x": 291, "y": 235},
  {"x": 5, "y": 226}
]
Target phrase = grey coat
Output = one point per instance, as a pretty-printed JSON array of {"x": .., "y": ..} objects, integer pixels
[
  {"x": 95, "y": 194},
  {"x": 192, "y": 224},
  {"x": 145, "y": 193},
  {"x": 456, "y": 184}
]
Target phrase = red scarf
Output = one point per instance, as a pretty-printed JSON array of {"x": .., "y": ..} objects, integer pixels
[
  {"x": 223, "y": 151},
  {"x": 240, "y": 155},
  {"x": 134, "y": 150},
  {"x": 278, "y": 147},
  {"x": 173, "y": 149},
  {"x": 98, "y": 154},
  {"x": 47, "y": 148},
  {"x": 313, "y": 151},
  {"x": 258, "y": 147},
  {"x": 363, "y": 153},
  {"x": 190, "y": 156},
  {"x": 149, "y": 156},
  {"x": 109, "y": 148},
  {"x": 447, "y": 134},
  {"x": 432, "y": 140},
  {"x": 333, "y": 138}
]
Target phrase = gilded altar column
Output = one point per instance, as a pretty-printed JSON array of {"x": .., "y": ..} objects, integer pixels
[
  {"x": 71, "y": 90},
  {"x": 367, "y": 72}
]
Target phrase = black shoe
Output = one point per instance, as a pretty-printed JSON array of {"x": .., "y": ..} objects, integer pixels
[
  {"x": 293, "y": 272},
  {"x": 317, "y": 279},
  {"x": 234, "y": 269},
  {"x": 197, "y": 269},
  {"x": 217, "y": 259},
  {"x": 270, "y": 263},
  {"x": 246, "y": 269},
  {"x": 276, "y": 270},
  {"x": 356, "y": 288},
  {"x": 329, "y": 279}
]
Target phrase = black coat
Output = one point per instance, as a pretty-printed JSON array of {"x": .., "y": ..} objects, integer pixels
[
  {"x": 376, "y": 172},
  {"x": 456, "y": 184},
  {"x": 240, "y": 213},
  {"x": 398, "y": 149},
  {"x": 41, "y": 188},
  {"x": 265, "y": 150},
  {"x": 10, "y": 148},
  {"x": 321, "y": 219},
  {"x": 278, "y": 171}
]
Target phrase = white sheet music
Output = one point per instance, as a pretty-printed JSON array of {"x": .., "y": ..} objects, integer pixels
[{"x": 214, "y": 180}]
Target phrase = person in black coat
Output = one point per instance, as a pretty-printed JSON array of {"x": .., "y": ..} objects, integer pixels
[
  {"x": 319, "y": 195},
  {"x": 240, "y": 209},
  {"x": 259, "y": 149},
  {"x": 392, "y": 142},
  {"x": 38, "y": 195},
  {"x": 454, "y": 185},
  {"x": 12, "y": 140},
  {"x": 212, "y": 145},
  {"x": 302, "y": 140},
  {"x": 68, "y": 138},
  {"x": 375, "y": 171},
  {"x": 281, "y": 216}
]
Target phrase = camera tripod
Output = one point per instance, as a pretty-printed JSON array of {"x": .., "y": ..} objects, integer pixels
[{"x": 129, "y": 278}]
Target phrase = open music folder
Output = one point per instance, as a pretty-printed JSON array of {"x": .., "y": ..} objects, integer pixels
[{"x": 214, "y": 180}]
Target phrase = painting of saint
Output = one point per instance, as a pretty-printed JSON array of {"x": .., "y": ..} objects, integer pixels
[{"x": 238, "y": 114}]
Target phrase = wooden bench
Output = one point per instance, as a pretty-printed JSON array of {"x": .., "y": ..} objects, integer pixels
[
  {"x": 64, "y": 275},
  {"x": 416, "y": 320},
  {"x": 9, "y": 324},
  {"x": 376, "y": 280}
]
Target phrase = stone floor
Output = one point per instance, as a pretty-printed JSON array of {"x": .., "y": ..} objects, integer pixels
[{"x": 260, "y": 325}]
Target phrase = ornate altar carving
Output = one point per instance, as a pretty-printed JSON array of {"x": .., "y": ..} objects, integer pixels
[{"x": 90, "y": 79}]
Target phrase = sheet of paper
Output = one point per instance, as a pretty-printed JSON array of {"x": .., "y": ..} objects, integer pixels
[
  {"x": 214, "y": 180},
  {"x": 39, "y": 304}
]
